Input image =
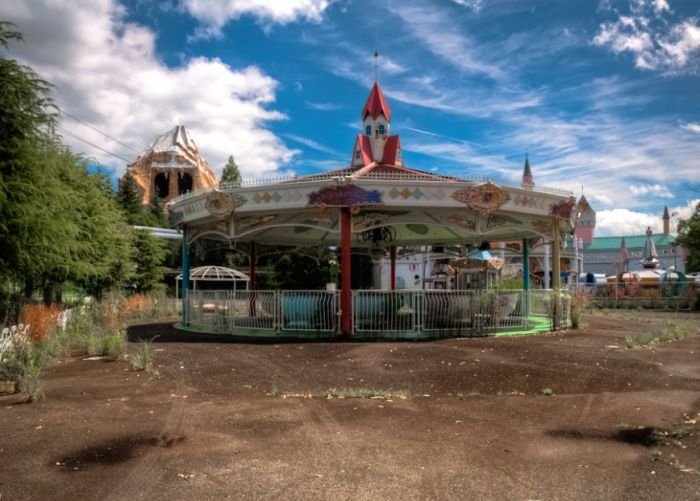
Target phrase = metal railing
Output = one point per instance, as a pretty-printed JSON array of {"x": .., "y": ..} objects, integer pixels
[
  {"x": 309, "y": 310},
  {"x": 386, "y": 311},
  {"x": 388, "y": 176},
  {"x": 377, "y": 312}
]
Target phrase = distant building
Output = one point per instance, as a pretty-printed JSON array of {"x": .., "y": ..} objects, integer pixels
[
  {"x": 171, "y": 166},
  {"x": 612, "y": 255},
  {"x": 585, "y": 224}
]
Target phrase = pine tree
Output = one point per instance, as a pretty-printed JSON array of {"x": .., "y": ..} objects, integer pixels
[
  {"x": 129, "y": 199},
  {"x": 230, "y": 174}
]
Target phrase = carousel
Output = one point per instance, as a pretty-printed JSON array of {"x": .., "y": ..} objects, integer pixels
[{"x": 374, "y": 205}]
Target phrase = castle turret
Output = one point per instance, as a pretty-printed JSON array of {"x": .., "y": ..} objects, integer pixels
[{"x": 667, "y": 221}]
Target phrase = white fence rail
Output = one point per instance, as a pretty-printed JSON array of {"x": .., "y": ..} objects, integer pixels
[{"x": 375, "y": 312}]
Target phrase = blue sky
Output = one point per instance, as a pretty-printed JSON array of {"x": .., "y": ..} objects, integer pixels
[{"x": 601, "y": 94}]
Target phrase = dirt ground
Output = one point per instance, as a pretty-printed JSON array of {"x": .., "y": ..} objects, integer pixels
[{"x": 469, "y": 419}]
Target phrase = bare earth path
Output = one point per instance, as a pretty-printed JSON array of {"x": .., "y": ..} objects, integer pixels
[{"x": 622, "y": 423}]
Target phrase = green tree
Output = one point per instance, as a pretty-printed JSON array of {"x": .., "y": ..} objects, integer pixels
[
  {"x": 149, "y": 255},
  {"x": 689, "y": 237},
  {"x": 27, "y": 117},
  {"x": 230, "y": 174},
  {"x": 130, "y": 199},
  {"x": 56, "y": 221}
]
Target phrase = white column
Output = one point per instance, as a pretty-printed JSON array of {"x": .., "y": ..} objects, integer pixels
[{"x": 547, "y": 261}]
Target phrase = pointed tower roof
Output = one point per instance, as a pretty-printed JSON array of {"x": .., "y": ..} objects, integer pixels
[
  {"x": 666, "y": 215},
  {"x": 526, "y": 170},
  {"x": 376, "y": 104}
]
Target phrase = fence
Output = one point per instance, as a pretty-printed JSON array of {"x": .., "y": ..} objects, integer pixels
[
  {"x": 430, "y": 313},
  {"x": 657, "y": 295}
]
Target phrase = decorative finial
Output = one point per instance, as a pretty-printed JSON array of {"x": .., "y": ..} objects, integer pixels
[{"x": 376, "y": 55}]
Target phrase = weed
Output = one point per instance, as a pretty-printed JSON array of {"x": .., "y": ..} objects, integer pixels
[
  {"x": 579, "y": 301},
  {"x": 373, "y": 393},
  {"x": 547, "y": 392},
  {"x": 669, "y": 331},
  {"x": 274, "y": 391},
  {"x": 675, "y": 462},
  {"x": 142, "y": 360}
]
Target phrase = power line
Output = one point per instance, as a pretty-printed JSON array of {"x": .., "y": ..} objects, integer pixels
[
  {"x": 92, "y": 144},
  {"x": 98, "y": 130}
]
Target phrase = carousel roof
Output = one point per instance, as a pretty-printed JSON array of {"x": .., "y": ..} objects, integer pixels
[
  {"x": 216, "y": 274},
  {"x": 390, "y": 204}
]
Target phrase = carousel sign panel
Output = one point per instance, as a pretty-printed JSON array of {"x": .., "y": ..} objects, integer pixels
[
  {"x": 485, "y": 198},
  {"x": 345, "y": 195}
]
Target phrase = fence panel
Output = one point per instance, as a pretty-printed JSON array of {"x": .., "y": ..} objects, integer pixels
[
  {"x": 386, "y": 311},
  {"x": 309, "y": 310}
]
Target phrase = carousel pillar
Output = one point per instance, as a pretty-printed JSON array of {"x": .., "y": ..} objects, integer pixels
[
  {"x": 392, "y": 255},
  {"x": 556, "y": 272},
  {"x": 185, "y": 278},
  {"x": 345, "y": 271},
  {"x": 251, "y": 272},
  {"x": 547, "y": 267},
  {"x": 526, "y": 276},
  {"x": 556, "y": 259}
]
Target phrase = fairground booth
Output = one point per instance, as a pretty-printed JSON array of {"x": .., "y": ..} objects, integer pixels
[{"x": 374, "y": 205}]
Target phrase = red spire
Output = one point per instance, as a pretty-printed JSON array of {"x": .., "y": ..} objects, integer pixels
[{"x": 376, "y": 104}]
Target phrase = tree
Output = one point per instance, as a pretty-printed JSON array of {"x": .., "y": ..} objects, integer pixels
[
  {"x": 27, "y": 117},
  {"x": 56, "y": 221},
  {"x": 230, "y": 174},
  {"x": 149, "y": 255},
  {"x": 689, "y": 237},
  {"x": 130, "y": 199}
]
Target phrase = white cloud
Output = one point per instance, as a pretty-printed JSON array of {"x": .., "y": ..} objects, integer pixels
[
  {"x": 474, "y": 5},
  {"x": 655, "y": 42},
  {"x": 310, "y": 143},
  {"x": 106, "y": 72},
  {"x": 214, "y": 14},
  {"x": 626, "y": 222},
  {"x": 446, "y": 39},
  {"x": 692, "y": 126},
  {"x": 655, "y": 190},
  {"x": 322, "y": 106}
]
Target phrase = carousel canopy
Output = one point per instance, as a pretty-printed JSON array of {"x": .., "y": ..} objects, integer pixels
[{"x": 390, "y": 204}]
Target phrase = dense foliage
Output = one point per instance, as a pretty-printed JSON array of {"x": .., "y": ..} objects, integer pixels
[
  {"x": 59, "y": 222},
  {"x": 689, "y": 237}
]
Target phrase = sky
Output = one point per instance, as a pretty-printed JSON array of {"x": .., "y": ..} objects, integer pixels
[{"x": 603, "y": 96}]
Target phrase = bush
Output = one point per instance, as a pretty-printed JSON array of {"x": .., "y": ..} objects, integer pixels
[
  {"x": 579, "y": 302},
  {"x": 41, "y": 319}
]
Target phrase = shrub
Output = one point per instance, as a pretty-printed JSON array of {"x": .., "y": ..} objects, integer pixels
[
  {"x": 579, "y": 302},
  {"x": 42, "y": 319}
]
